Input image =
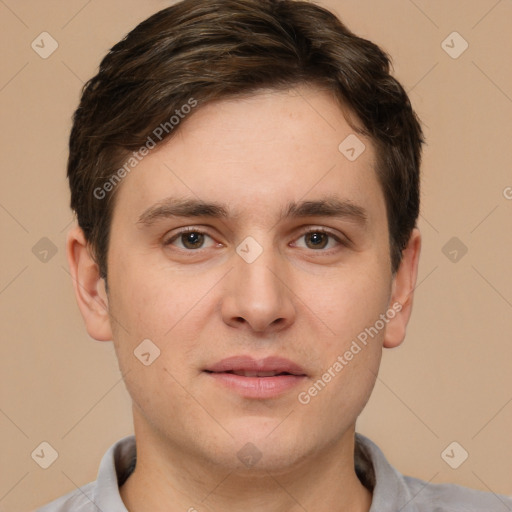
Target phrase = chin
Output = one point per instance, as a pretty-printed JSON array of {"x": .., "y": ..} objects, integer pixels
[{"x": 263, "y": 445}]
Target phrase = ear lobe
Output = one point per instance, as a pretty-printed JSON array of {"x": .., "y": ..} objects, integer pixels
[
  {"x": 89, "y": 287},
  {"x": 402, "y": 293}
]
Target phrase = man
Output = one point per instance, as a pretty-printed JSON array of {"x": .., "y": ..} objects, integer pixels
[{"x": 245, "y": 175}]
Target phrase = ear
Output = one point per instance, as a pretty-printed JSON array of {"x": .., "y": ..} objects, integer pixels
[
  {"x": 402, "y": 291},
  {"x": 89, "y": 287}
]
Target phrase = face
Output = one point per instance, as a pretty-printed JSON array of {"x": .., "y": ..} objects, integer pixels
[{"x": 258, "y": 301}]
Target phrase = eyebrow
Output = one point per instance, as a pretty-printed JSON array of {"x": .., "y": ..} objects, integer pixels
[{"x": 183, "y": 207}]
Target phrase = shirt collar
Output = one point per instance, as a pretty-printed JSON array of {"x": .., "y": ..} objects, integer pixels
[
  {"x": 391, "y": 492},
  {"x": 114, "y": 469}
]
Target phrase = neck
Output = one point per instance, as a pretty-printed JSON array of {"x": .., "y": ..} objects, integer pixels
[{"x": 168, "y": 478}]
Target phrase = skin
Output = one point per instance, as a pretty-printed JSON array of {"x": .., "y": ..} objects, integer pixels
[{"x": 295, "y": 300}]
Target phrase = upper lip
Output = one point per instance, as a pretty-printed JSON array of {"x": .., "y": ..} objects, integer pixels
[{"x": 245, "y": 363}]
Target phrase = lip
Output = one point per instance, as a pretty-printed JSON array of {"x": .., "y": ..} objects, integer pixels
[{"x": 254, "y": 386}]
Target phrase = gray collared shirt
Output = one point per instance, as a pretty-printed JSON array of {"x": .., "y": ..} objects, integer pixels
[{"x": 392, "y": 492}]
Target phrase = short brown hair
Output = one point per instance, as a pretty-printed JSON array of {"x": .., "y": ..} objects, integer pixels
[{"x": 211, "y": 50}]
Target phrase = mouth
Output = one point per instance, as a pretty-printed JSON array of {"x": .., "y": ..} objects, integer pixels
[
  {"x": 248, "y": 373},
  {"x": 257, "y": 378}
]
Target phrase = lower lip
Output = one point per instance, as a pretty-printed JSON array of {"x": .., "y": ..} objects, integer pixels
[{"x": 258, "y": 387}]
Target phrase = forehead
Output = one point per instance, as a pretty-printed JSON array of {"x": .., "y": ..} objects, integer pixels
[{"x": 258, "y": 154}]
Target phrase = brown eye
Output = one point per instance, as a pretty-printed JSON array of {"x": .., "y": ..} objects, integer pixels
[
  {"x": 318, "y": 239},
  {"x": 189, "y": 240},
  {"x": 192, "y": 240}
]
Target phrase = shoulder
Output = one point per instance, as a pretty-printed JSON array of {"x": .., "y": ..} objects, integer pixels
[
  {"x": 393, "y": 491},
  {"x": 102, "y": 494},
  {"x": 79, "y": 500},
  {"x": 455, "y": 498}
]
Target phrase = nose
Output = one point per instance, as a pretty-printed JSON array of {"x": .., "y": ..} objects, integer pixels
[{"x": 258, "y": 295}]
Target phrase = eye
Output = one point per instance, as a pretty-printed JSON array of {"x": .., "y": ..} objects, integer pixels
[
  {"x": 193, "y": 239},
  {"x": 189, "y": 238},
  {"x": 318, "y": 239}
]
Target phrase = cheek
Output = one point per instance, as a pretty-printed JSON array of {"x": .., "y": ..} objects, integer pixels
[
  {"x": 351, "y": 306},
  {"x": 352, "y": 301},
  {"x": 146, "y": 302},
  {"x": 166, "y": 308},
  {"x": 149, "y": 317}
]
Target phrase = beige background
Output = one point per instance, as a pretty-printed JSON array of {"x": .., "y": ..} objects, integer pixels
[{"x": 450, "y": 381}]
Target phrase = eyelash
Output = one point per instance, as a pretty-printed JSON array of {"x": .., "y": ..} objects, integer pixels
[{"x": 192, "y": 229}]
